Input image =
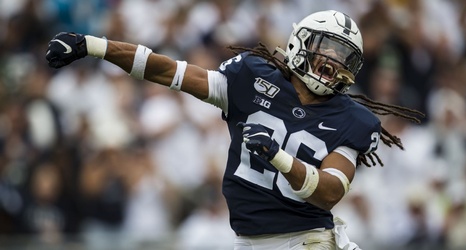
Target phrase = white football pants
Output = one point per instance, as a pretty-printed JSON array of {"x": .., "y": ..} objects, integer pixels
[{"x": 317, "y": 239}]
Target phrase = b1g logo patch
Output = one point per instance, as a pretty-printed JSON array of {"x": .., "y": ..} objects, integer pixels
[
  {"x": 264, "y": 87},
  {"x": 262, "y": 102}
]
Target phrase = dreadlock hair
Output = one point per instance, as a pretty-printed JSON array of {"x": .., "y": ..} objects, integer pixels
[{"x": 375, "y": 107}]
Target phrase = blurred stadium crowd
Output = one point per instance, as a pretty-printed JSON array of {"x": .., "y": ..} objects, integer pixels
[{"x": 92, "y": 159}]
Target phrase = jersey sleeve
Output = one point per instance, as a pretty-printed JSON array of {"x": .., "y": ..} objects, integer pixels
[
  {"x": 231, "y": 67},
  {"x": 365, "y": 132}
]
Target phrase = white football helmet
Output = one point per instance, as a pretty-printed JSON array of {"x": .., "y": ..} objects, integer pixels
[{"x": 325, "y": 52}]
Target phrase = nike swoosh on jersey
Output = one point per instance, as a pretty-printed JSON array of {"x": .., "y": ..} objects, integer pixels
[
  {"x": 67, "y": 47},
  {"x": 321, "y": 126}
]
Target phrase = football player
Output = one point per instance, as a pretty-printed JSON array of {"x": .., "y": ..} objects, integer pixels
[{"x": 296, "y": 135}]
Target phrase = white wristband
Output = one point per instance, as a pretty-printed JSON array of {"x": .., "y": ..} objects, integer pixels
[
  {"x": 96, "y": 47},
  {"x": 282, "y": 161},
  {"x": 139, "y": 63},
  {"x": 179, "y": 75},
  {"x": 310, "y": 182},
  {"x": 340, "y": 175}
]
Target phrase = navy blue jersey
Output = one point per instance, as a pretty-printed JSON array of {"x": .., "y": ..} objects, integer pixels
[{"x": 259, "y": 197}]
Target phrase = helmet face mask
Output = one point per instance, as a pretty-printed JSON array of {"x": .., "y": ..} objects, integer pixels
[{"x": 323, "y": 55}]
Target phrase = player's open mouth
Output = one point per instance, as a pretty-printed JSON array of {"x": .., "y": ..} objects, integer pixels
[{"x": 326, "y": 71}]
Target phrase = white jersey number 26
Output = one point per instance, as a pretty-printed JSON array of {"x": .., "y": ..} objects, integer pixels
[{"x": 266, "y": 178}]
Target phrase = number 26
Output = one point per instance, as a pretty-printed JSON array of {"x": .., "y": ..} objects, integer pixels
[{"x": 266, "y": 178}]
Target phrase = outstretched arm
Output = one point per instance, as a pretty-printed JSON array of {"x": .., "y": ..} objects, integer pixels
[
  {"x": 138, "y": 61},
  {"x": 159, "y": 68}
]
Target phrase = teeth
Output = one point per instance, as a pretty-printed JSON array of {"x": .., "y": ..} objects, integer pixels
[{"x": 327, "y": 69}]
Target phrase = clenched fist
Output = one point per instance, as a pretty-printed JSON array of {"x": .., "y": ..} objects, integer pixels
[
  {"x": 258, "y": 140},
  {"x": 64, "y": 48}
]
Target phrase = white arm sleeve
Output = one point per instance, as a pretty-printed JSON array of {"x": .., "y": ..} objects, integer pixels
[
  {"x": 348, "y": 153},
  {"x": 218, "y": 91}
]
